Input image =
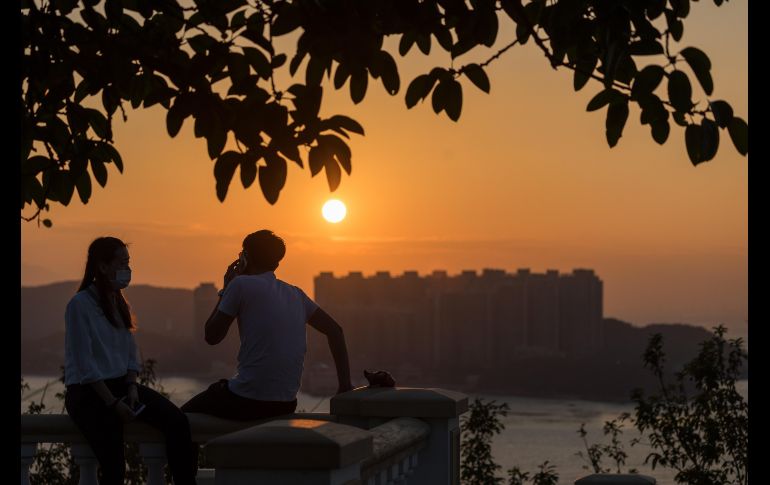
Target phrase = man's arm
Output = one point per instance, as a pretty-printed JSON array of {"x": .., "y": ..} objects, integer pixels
[
  {"x": 219, "y": 322},
  {"x": 217, "y": 326},
  {"x": 324, "y": 323}
]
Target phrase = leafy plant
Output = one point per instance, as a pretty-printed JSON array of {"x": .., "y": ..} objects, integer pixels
[{"x": 484, "y": 421}]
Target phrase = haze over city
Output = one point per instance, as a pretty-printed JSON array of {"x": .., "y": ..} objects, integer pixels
[{"x": 524, "y": 180}]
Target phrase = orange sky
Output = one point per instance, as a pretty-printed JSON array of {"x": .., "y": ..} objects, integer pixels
[{"x": 524, "y": 179}]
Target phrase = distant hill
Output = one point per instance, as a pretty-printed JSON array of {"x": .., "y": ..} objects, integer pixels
[
  {"x": 174, "y": 356},
  {"x": 610, "y": 374},
  {"x": 167, "y": 331},
  {"x": 163, "y": 310}
]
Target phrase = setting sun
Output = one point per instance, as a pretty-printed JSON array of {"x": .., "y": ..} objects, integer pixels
[{"x": 334, "y": 210}]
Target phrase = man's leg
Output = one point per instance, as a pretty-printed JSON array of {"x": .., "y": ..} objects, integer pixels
[{"x": 214, "y": 401}]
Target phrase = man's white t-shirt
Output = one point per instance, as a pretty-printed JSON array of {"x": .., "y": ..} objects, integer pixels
[{"x": 271, "y": 322}]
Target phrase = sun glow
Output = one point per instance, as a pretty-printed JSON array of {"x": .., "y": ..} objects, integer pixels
[{"x": 334, "y": 211}]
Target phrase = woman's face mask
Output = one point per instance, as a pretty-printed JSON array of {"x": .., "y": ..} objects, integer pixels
[{"x": 122, "y": 279}]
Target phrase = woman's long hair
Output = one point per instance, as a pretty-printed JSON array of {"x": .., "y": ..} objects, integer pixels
[{"x": 102, "y": 250}]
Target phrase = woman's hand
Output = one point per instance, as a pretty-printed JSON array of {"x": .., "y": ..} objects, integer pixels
[{"x": 133, "y": 395}]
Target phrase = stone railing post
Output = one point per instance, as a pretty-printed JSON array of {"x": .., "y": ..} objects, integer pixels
[
  {"x": 616, "y": 479},
  {"x": 290, "y": 452},
  {"x": 439, "y": 461},
  {"x": 154, "y": 458},
  {"x": 27, "y": 457},
  {"x": 84, "y": 457}
]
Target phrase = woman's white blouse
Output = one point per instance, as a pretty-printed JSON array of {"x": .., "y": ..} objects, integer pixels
[{"x": 94, "y": 349}]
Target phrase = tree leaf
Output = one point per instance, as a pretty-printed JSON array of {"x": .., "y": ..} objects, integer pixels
[
  {"x": 358, "y": 82},
  {"x": 248, "y": 171},
  {"x": 272, "y": 177},
  {"x": 655, "y": 8},
  {"x": 174, "y": 119},
  {"x": 423, "y": 42},
  {"x": 99, "y": 124},
  {"x": 692, "y": 138},
  {"x": 224, "y": 169},
  {"x": 278, "y": 61},
  {"x": 347, "y": 123},
  {"x": 112, "y": 154},
  {"x": 333, "y": 175},
  {"x": 739, "y": 133},
  {"x": 114, "y": 10},
  {"x": 603, "y": 98},
  {"x": 584, "y": 68},
  {"x": 723, "y": 113},
  {"x": 418, "y": 89},
  {"x": 709, "y": 140},
  {"x": 454, "y": 99},
  {"x": 286, "y": 21},
  {"x": 681, "y": 7},
  {"x": 341, "y": 75},
  {"x": 701, "y": 66},
  {"x": 443, "y": 36},
  {"x": 99, "y": 171},
  {"x": 290, "y": 150},
  {"x": 476, "y": 74},
  {"x": 317, "y": 159},
  {"x": 36, "y": 164},
  {"x": 389, "y": 73},
  {"x": 406, "y": 43},
  {"x": 83, "y": 184},
  {"x": 660, "y": 131},
  {"x": 617, "y": 114},
  {"x": 438, "y": 100},
  {"x": 679, "y": 118},
  {"x": 258, "y": 61},
  {"x": 647, "y": 81},
  {"x": 201, "y": 42},
  {"x": 216, "y": 138},
  {"x": 652, "y": 109},
  {"x": 296, "y": 61},
  {"x": 314, "y": 72},
  {"x": 339, "y": 148},
  {"x": 645, "y": 48},
  {"x": 237, "y": 66},
  {"x": 679, "y": 91}
]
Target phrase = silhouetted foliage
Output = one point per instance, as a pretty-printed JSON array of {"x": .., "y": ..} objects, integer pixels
[
  {"x": 53, "y": 463},
  {"x": 484, "y": 421},
  {"x": 614, "y": 450},
  {"x": 696, "y": 425},
  {"x": 546, "y": 475},
  {"x": 215, "y": 61}
]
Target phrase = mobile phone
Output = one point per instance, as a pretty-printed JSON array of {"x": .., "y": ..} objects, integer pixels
[{"x": 136, "y": 409}]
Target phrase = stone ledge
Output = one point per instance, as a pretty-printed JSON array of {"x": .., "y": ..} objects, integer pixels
[
  {"x": 59, "y": 428},
  {"x": 616, "y": 479},
  {"x": 291, "y": 444},
  {"x": 399, "y": 402}
]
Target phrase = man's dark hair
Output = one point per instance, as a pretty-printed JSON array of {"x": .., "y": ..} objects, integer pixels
[{"x": 264, "y": 250}]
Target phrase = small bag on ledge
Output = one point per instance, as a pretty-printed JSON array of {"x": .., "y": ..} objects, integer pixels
[{"x": 379, "y": 378}]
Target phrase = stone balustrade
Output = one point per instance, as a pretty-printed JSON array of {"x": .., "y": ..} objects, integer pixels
[{"x": 381, "y": 436}]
